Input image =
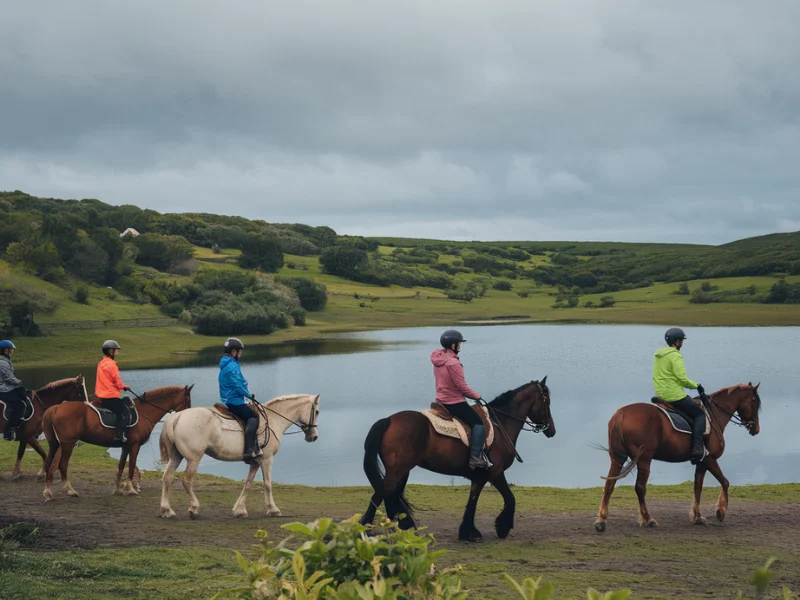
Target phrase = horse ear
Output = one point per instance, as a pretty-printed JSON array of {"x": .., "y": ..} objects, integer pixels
[
  {"x": 544, "y": 381},
  {"x": 316, "y": 400},
  {"x": 758, "y": 384},
  {"x": 189, "y": 389},
  {"x": 750, "y": 383}
]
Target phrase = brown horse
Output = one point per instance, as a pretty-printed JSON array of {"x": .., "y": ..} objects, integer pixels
[
  {"x": 407, "y": 439},
  {"x": 643, "y": 433},
  {"x": 65, "y": 424},
  {"x": 42, "y": 399}
]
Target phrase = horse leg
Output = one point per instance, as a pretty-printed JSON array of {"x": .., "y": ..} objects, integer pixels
[
  {"x": 467, "y": 531},
  {"x": 123, "y": 457},
  {"x": 401, "y": 505},
  {"x": 608, "y": 489},
  {"x": 722, "y": 503},
  {"x": 188, "y": 481},
  {"x": 266, "y": 472},
  {"x": 240, "y": 508},
  {"x": 50, "y": 466},
  {"x": 694, "y": 515},
  {"x": 137, "y": 479},
  {"x": 34, "y": 443},
  {"x": 15, "y": 473},
  {"x": 166, "y": 482},
  {"x": 129, "y": 490},
  {"x": 505, "y": 520},
  {"x": 63, "y": 465},
  {"x": 374, "y": 505},
  {"x": 645, "y": 520}
]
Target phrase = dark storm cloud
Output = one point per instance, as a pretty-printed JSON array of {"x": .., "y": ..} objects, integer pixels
[{"x": 493, "y": 120}]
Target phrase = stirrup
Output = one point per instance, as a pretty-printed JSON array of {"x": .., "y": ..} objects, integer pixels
[
  {"x": 696, "y": 461},
  {"x": 481, "y": 462},
  {"x": 10, "y": 435}
]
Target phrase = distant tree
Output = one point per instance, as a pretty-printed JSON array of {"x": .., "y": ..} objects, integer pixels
[
  {"x": 607, "y": 301},
  {"x": 344, "y": 261},
  {"x": 90, "y": 262},
  {"x": 261, "y": 252},
  {"x": 683, "y": 289},
  {"x": 82, "y": 295},
  {"x": 313, "y": 296},
  {"x": 502, "y": 285},
  {"x": 572, "y": 301},
  {"x": 162, "y": 252}
]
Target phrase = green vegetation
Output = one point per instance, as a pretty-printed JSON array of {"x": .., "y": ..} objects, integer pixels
[{"x": 64, "y": 268}]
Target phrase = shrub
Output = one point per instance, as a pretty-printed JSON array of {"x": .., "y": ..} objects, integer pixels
[
  {"x": 683, "y": 289},
  {"x": 261, "y": 252},
  {"x": 502, "y": 285},
  {"x": 700, "y": 296},
  {"x": 298, "y": 315},
  {"x": 607, "y": 301},
  {"x": 162, "y": 252},
  {"x": 523, "y": 294},
  {"x": 82, "y": 295},
  {"x": 313, "y": 296}
]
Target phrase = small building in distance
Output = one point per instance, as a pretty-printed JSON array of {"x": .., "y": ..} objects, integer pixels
[{"x": 129, "y": 231}]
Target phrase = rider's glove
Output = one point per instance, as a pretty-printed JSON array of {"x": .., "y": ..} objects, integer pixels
[{"x": 700, "y": 390}]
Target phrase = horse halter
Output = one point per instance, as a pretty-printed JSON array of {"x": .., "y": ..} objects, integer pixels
[
  {"x": 528, "y": 424},
  {"x": 736, "y": 418},
  {"x": 304, "y": 427}
]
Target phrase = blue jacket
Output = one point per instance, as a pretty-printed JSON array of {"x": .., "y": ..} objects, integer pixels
[{"x": 232, "y": 384}]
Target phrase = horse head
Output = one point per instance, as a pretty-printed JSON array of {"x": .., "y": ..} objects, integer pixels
[
  {"x": 540, "y": 413},
  {"x": 63, "y": 390},
  {"x": 748, "y": 407},
  {"x": 309, "y": 424}
]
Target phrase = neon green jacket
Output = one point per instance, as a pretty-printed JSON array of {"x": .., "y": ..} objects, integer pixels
[{"x": 669, "y": 375}]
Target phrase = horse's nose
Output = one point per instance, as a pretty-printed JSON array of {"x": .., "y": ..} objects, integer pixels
[{"x": 315, "y": 438}]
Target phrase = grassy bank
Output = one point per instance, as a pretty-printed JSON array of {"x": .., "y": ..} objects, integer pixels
[{"x": 137, "y": 555}]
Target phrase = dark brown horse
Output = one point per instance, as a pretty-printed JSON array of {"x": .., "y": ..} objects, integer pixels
[
  {"x": 65, "y": 424},
  {"x": 42, "y": 399},
  {"x": 407, "y": 439},
  {"x": 643, "y": 433}
]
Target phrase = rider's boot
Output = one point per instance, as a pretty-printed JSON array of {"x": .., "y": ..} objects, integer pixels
[
  {"x": 699, "y": 452},
  {"x": 477, "y": 457},
  {"x": 251, "y": 449}
]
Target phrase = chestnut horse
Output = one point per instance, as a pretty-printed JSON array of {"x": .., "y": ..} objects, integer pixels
[
  {"x": 407, "y": 439},
  {"x": 65, "y": 424},
  {"x": 643, "y": 433},
  {"x": 42, "y": 399}
]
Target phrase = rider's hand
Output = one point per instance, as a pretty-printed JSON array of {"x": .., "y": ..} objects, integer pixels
[
  {"x": 700, "y": 390},
  {"x": 253, "y": 397},
  {"x": 126, "y": 388}
]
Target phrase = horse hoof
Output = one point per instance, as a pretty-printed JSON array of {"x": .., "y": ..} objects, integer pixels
[
  {"x": 700, "y": 521},
  {"x": 241, "y": 515},
  {"x": 652, "y": 523},
  {"x": 720, "y": 515},
  {"x": 48, "y": 497},
  {"x": 73, "y": 494},
  {"x": 117, "y": 492},
  {"x": 16, "y": 475},
  {"x": 274, "y": 513},
  {"x": 167, "y": 514},
  {"x": 193, "y": 515},
  {"x": 130, "y": 493},
  {"x": 600, "y": 526}
]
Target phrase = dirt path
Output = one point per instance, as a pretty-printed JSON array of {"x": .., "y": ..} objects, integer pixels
[{"x": 688, "y": 554}]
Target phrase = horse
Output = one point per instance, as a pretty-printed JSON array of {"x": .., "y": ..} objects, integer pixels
[
  {"x": 42, "y": 399},
  {"x": 65, "y": 424},
  {"x": 407, "y": 439},
  {"x": 642, "y": 433},
  {"x": 214, "y": 431}
]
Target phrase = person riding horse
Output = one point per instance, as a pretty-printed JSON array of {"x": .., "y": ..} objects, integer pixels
[
  {"x": 109, "y": 386},
  {"x": 12, "y": 391},
  {"x": 669, "y": 381},
  {"x": 451, "y": 388},
  {"x": 233, "y": 391}
]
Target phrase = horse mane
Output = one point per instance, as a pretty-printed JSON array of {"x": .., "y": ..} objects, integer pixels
[
  {"x": 737, "y": 388},
  {"x": 286, "y": 398},
  {"x": 56, "y": 384},
  {"x": 504, "y": 399},
  {"x": 167, "y": 389}
]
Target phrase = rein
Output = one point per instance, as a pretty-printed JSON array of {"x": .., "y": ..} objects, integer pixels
[
  {"x": 735, "y": 418},
  {"x": 303, "y": 426}
]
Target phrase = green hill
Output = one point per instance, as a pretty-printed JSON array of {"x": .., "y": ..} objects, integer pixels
[{"x": 68, "y": 280}]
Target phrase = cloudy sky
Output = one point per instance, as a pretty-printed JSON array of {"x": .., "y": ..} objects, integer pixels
[{"x": 460, "y": 119}]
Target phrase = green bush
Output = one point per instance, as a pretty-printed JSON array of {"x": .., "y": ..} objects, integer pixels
[
  {"x": 502, "y": 285},
  {"x": 261, "y": 252},
  {"x": 313, "y": 296},
  {"x": 82, "y": 294},
  {"x": 162, "y": 252}
]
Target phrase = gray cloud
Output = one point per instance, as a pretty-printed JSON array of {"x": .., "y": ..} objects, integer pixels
[{"x": 494, "y": 120}]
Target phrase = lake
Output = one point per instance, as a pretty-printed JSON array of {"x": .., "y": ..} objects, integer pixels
[{"x": 592, "y": 370}]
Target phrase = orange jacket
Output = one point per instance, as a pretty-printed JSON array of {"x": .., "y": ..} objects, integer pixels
[{"x": 108, "y": 384}]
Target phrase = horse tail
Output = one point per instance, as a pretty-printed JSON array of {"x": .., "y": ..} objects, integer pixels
[
  {"x": 47, "y": 427},
  {"x": 372, "y": 453},
  {"x": 616, "y": 447},
  {"x": 166, "y": 441}
]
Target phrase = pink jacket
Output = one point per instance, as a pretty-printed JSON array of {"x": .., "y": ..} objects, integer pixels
[{"x": 451, "y": 387}]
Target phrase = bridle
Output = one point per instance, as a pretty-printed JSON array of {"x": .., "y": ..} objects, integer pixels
[
  {"x": 527, "y": 424},
  {"x": 304, "y": 427},
  {"x": 735, "y": 417},
  {"x": 184, "y": 401}
]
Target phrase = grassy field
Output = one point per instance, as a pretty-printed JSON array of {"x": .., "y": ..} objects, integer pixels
[
  {"x": 137, "y": 555},
  {"x": 74, "y": 331}
]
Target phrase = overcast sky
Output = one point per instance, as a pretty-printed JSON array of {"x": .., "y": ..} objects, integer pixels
[{"x": 565, "y": 119}]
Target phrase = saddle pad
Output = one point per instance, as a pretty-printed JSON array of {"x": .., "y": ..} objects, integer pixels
[
  {"x": 28, "y": 410},
  {"x": 455, "y": 428},
  {"x": 109, "y": 419},
  {"x": 680, "y": 423},
  {"x": 220, "y": 410}
]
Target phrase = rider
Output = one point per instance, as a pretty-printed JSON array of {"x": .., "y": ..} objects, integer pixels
[
  {"x": 669, "y": 380},
  {"x": 11, "y": 391},
  {"x": 451, "y": 388},
  {"x": 233, "y": 390},
  {"x": 109, "y": 385}
]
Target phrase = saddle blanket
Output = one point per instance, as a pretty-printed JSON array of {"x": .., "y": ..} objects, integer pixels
[
  {"x": 109, "y": 419},
  {"x": 28, "y": 409},
  {"x": 681, "y": 423},
  {"x": 445, "y": 424}
]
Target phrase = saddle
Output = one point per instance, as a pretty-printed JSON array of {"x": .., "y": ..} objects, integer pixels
[
  {"x": 447, "y": 425},
  {"x": 28, "y": 409},
  {"x": 681, "y": 421},
  {"x": 224, "y": 412},
  {"x": 109, "y": 419}
]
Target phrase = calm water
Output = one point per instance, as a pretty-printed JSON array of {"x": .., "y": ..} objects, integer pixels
[{"x": 591, "y": 369}]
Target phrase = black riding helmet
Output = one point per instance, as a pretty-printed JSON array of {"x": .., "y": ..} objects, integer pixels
[
  {"x": 673, "y": 335},
  {"x": 451, "y": 337},
  {"x": 110, "y": 345},
  {"x": 232, "y": 344}
]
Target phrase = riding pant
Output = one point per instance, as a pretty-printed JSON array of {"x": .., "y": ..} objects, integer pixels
[
  {"x": 117, "y": 406},
  {"x": 15, "y": 400},
  {"x": 690, "y": 408},
  {"x": 463, "y": 411},
  {"x": 251, "y": 428}
]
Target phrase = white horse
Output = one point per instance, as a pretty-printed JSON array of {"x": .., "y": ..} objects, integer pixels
[{"x": 194, "y": 432}]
